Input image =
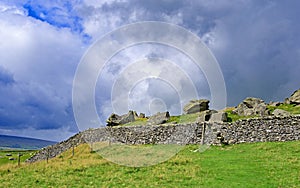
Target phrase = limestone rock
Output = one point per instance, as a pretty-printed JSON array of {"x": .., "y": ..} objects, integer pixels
[
  {"x": 294, "y": 98},
  {"x": 279, "y": 112},
  {"x": 159, "y": 118},
  {"x": 252, "y": 106},
  {"x": 275, "y": 103},
  {"x": 218, "y": 117},
  {"x": 205, "y": 115},
  {"x": 195, "y": 106},
  {"x": 115, "y": 119}
]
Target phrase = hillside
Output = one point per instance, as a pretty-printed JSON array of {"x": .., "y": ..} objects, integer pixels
[
  {"x": 15, "y": 142},
  {"x": 272, "y": 164}
]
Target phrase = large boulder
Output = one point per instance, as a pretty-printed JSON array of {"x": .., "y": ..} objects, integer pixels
[
  {"x": 218, "y": 117},
  {"x": 115, "y": 119},
  {"x": 195, "y": 106},
  {"x": 282, "y": 113},
  {"x": 159, "y": 118},
  {"x": 294, "y": 98},
  {"x": 205, "y": 115},
  {"x": 252, "y": 106}
]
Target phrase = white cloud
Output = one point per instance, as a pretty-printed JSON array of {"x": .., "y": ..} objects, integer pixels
[{"x": 42, "y": 60}]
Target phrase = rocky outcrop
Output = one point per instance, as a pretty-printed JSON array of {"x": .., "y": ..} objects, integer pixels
[
  {"x": 251, "y": 107},
  {"x": 275, "y": 104},
  {"x": 218, "y": 117},
  {"x": 212, "y": 116},
  {"x": 280, "y": 112},
  {"x": 159, "y": 118},
  {"x": 115, "y": 119},
  {"x": 195, "y": 106},
  {"x": 294, "y": 98}
]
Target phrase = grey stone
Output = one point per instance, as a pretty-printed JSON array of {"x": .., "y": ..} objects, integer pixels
[
  {"x": 205, "y": 115},
  {"x": 159, "y": 118},
  {"x": 218, "y": 117},
  {"x": 280, "y": 112},
  {"x": 115, "y": 119},
  {"x": 275, "y": 104},
  {"x": 195, "y": 106},
  {"x": 252, "y": 106},
  {"x": 294, "y": 98},
  {"x": 11, "y": 158}
]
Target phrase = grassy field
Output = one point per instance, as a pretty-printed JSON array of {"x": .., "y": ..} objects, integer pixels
[
  {"x": 243, "y": 165},
  {"x": 4, "y": 159},
  {"x": 293, "y": 109}
]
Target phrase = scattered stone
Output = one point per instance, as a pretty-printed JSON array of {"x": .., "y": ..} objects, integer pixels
[
  {"x": 279, "y": 112},
  {"x": 218, "y": 117},
  {"x": 11, "y": 158},
  {"x": 115, "y": 119},
  {"x": 252, "y": 106},
  {"x": 8, "y": 154},
  {"x": 159, "y": 118},
  {"x": 195, "y": 106},
  {"x": 294, "y": 98}
]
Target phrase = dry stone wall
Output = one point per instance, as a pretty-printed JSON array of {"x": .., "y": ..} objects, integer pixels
[
  {"x": 267, "y": 129},
  {"x": 250, "y": 130}
]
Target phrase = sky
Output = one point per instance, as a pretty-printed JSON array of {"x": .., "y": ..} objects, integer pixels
[{"x": 255, "y": 42}]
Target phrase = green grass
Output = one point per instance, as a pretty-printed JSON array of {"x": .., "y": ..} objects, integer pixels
[
  {"x": 185, "y": 118},
  {"x": 5, "y": 159},
  {"x": 139, "y": 121},
  {"x": 293, "y": 109},
  {"x": 243, "y": 165}
]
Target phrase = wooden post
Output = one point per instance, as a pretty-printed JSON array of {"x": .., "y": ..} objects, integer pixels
[
  {"x": 48, "y": 151},
  {"x": 73, "y": 150},
  {"x": 92, "y": 147},
  {"x": 203, "y": 134},
  {"x": 19, "y": 159}
]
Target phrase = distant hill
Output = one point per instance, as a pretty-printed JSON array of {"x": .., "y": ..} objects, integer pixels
[{"x": 15, "y": 142}]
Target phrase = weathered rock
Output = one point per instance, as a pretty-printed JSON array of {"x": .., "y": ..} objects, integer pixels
[
  {"x": 205, "y": 115},
  {"x": 11, "y": 158},
  {"x": 218, "y": 117},
  {"x": 251, "y": 106},
  {"x": 195, "y": 106},
  {"x": 280, "y": 112},
  {"x": 115, "y": 119},
  {"x": 275, "y": 103},
  {"x": 294, "y": 98},
  {"x": 159, "y": 118}
]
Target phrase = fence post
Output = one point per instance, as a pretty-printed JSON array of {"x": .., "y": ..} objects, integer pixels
[
  {"x": 19, "y": 159},
  {"x": 73, "y": 149},
  {"x": 48, "y": 154}
]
